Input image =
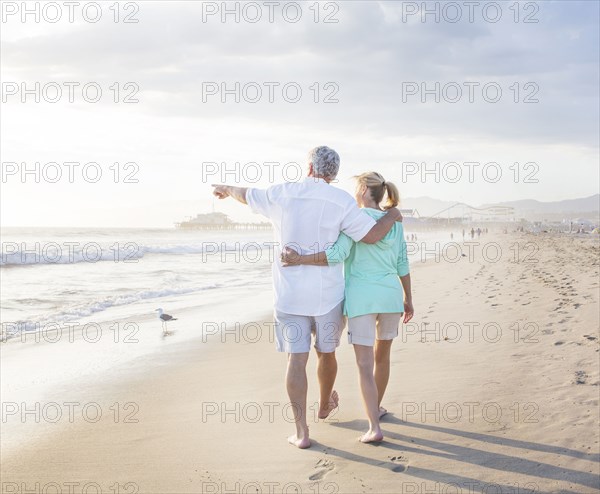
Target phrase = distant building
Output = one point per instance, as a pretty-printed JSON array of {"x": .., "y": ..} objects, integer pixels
[
  {"x": 410, "y": 213},
  {"x": 465, "y": 213}
]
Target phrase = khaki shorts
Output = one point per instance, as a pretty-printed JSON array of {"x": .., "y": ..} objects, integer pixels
[
  {"x": 362, "y": 329},
  {"x": 293, "y": 332}
]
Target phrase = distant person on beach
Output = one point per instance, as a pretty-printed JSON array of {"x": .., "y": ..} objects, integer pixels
[
  {"x": 376, "y": 277},
  {"x": 463, "y": 232},
  {"x": 311, "y": 215}
]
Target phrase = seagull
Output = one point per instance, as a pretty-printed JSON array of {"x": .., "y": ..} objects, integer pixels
[{"x": 164, "y": 318}]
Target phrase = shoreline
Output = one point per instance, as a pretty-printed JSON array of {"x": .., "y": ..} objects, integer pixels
[{"x": 211, "y": 415}]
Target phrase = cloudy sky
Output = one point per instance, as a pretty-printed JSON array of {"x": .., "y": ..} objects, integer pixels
[{"x": 464, "y": 92}]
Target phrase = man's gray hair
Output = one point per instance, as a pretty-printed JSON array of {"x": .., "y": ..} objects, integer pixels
[{"x": 325, "y": 161}]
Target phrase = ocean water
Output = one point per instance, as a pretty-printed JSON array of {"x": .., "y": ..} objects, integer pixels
[{"x": 81, "y": 275}]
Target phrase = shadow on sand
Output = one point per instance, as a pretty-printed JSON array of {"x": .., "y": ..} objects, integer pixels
[{"x": 480, "y": 457}]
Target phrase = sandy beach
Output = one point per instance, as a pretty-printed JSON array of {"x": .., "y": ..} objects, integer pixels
[{"x": 494, "y": 388}]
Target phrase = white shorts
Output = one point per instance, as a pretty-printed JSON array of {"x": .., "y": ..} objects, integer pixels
[
  {"x": 293, "y": 332},
  {"x": 363, "y": 329}
]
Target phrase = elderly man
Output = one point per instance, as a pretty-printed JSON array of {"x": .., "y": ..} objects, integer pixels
[{"x": 309, "y": 216}]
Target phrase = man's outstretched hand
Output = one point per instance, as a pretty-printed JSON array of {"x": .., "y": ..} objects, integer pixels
[
  {"x": 223, "y": 191},
  {"x": 220, "y": 191}
]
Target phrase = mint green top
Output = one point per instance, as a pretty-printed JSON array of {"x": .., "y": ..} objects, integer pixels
[{"x": 371, "y": 271}]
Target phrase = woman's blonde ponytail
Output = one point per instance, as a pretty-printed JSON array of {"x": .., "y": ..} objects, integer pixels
[{"x": 393, "y": 196}]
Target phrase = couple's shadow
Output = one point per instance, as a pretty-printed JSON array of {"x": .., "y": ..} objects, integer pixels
[{"x": 397, "y": 462}]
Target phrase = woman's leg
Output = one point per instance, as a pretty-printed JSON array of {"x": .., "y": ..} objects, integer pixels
[
  {"x": 365, "y": 361},
  {"x": 382, "y": 369}
]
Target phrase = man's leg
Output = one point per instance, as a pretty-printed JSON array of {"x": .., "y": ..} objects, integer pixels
[
  {"x": 326, "y": 373},
  {"x": 297, "y": 388},
  {"x": 328, "y": 332},
  {"x": 292, "y": 336}
]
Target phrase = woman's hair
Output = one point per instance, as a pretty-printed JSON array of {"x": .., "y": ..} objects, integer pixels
[{"x": 378, "y": 187}]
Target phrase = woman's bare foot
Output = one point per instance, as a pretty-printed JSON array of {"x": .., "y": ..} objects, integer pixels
[
  {"x": 331, "y": 405},
  {"x": 371, "y": 437},
  {"x": 382, "y": 412},
  {"x": 301, "y": 443}
]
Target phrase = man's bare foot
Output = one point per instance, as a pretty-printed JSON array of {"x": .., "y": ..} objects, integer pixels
[
  {"x": 331, "y": 405},
  {"x": 382, "y": 412},
  {"x": 301, "y": 443},
  {"x": 371, "y": 437}
]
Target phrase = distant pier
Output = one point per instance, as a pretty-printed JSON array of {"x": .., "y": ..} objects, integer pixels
[
  {"x": 229, "y": 226},
  {"x": 218, "y": 221}
]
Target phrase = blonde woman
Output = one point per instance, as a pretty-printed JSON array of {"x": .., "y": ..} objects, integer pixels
[{"x": 378, "y": 293}]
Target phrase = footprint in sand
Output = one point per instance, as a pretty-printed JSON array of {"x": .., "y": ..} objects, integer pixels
[
  {"x": 581, "y": 377},
  {"x": 399, "y": 463},
  {"x": 322, "y": 468}
]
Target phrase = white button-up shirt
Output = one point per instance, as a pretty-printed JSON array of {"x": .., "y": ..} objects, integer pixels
[{"x": 309, "y": 216}]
